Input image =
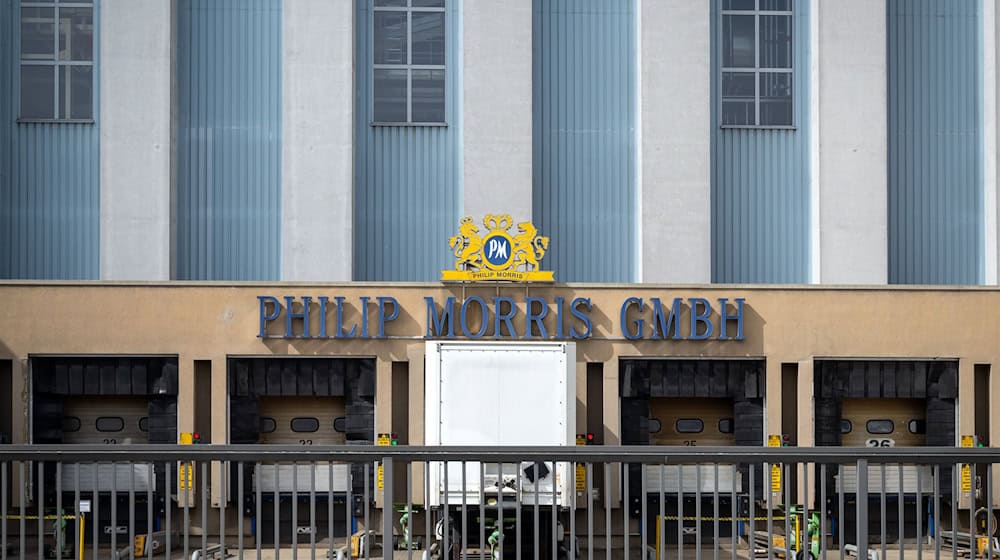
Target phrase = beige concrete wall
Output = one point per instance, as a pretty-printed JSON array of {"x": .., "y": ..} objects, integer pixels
[{"x": 206, "y": 321}]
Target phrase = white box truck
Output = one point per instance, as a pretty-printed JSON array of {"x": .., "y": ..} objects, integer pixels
[{"x": 501, "y": 394}]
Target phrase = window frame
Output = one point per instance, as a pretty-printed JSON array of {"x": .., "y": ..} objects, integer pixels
[
  {"x": 757, "y": 70},
  {"x": 409, "y": 67},
  {"x": 55, "y": 63}
]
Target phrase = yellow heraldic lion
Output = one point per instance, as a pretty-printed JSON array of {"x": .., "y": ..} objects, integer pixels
[
  {"x": 529, "y": 247},
  {"x": 467, "y": 245}
]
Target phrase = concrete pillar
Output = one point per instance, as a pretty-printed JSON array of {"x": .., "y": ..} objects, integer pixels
[
  {"x": 676, "y": 137},
  {"x": 136, "y": 67},
  {"x": 496, "y": 108},
  {"x": 317, "y": 155},
  {"x": 852, "y": 136}
]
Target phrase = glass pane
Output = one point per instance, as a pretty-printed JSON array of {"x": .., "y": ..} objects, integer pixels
[
  {"x": 428, "y": 3},
  {"x": 144, "y": 424},
  {"x": 737, "y": 98},
  {"x": 37, "y": 92},
  {"x": 655, "y": 426},
  {"x": 38, "y": 30},
  {"x": 110, "y": 424},
  {"x": 76, "y": 86},
  {"x": 917, "y": 426},
  {"x": 776, "y": 5},
  {"x": 390, "y": 3},
  {"x": 879, "y": 426},
  {"x": 428, "y": 38},
  {"x": 428, "y": 96},
  {"x": 737, "y": 41},
  {"x": 390, "y": 96},
  {"x": 304, "y": 425},
  {"x": 390, "y": 38},
  {"x": 267, "y": 425},
  {"x": 70, "y": 424},
  {"x": 689, "y": 426},
  {"x": 845, "y": 426},
  {"x": 76, "y": 34},
  {"x": 726, "y": 426},
  {"x": 737, "y": 4},
  {"x": 775, "y": 99},
  {"x": 775, "y": 41}
]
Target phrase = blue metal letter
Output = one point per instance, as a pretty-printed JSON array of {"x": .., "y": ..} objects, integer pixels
[
  {"x": 264, "y": 315},
  {"x": 364, "y": 316},
  {"x": 340, "y": 320},
  {"x": 725, "y": 317},
  {"x": 504, "y": 317},
  {"x": 700, "y": 318},
  {"x": 322, "y": 316},
  {"x": 465, "y": 324},
  {"x": 437, "y": 322},
  {"x": 560, "y": 301},
  {"x": 382, "y": 317},
  {"x": 582, "y": 317},
  {"x": 639, "y": 323},
  {"x": 289, "y": 315},
  {"x": 662, "y": 324},
  {"x": 530, "y": 317}
]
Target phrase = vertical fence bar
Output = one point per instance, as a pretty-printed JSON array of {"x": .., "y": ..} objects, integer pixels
[
  {"x": 95, "y": 497},
  {"x": 387, "y": 494},
  {"x": 902, "y": 512},
  {"x": 186, "y": 488},
  {"x": 427, "y": 502},
  {"x": 40, "y": 508},
  {"x": 937, "y": 512},
  {"x": 973, "y": 545},
  {"x": 131, "y": 509},
  {"x": 21, "y": 510},
  {"x": 841, "y": 522},
  {"x": 590, "y": 510},
  {"x": 823, "y": 515},
  {"x": 445, "y": 540},
  {"x": 275, "y": 504},
  {"x": 58, "y": 525},
  {"x": 768, "y": 492},
  {"x": 223, "y": 502},
  {"x": 312, "y": 510},
  {"x": 410, "y": 517},
  {"x": 329, "y": 508},
  {"x": 661, "y": 528},
  {"x": 465, "y": 517},
  {"x": 734, "y": 506},
  {"x": 150, "y": 483},
  {"x": 349, "y": 506},
  {"x": 482, "y": 507},
  {"x": 167, "y": 509},
  {"x": 937, "y": 521},
  {"x": 501, "y": 484},
  {"x": 715, "y": 512},
  {"x": 536, "y": 522},
  {"x": 626, "y": 504},
  {"x": 517, "y": 510},
  {"x": 956, "y": 491},
  {"x": 257, "y": 527},
  {"x": 555, "y": 514},
  {"x": 204, "y": 507},
  {"x": 862, "y": 508},
  {"x": 3, "y": 508},
  {"x": 239, "y": 509},
  {"x": 990, "y": 525},
  {"x": 368, "y": 544},
  {"x": 607, "y": 511},
  {"x": 786, "y": 489},
  {"x": 752, "y": 521},
  {"x": 295, "y": 510},
  {"x": 882, "y": 510},
  {"x": 697, "y": 512},
  {"x": 680, "y": 511},
  {"x": 805, "y": 509}
]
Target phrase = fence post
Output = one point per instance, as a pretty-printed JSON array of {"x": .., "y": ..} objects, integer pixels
[
  {"x": 862, "y": 509},
  {"x": 387, "y": 496}
]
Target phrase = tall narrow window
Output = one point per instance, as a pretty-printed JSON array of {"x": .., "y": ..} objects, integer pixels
[
  {"x": 408, "y": 62},
  {"x": 57, "y": 60},
  {"x": 756, "y": 62}
]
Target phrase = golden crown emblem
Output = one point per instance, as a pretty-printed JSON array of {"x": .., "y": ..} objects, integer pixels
[{"x": 496, "y": 255}]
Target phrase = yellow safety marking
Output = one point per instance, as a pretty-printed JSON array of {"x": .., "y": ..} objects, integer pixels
[
  {"x": 693, "y": 518},
  {"x": 774, "y": 440},
  {"x": 139, "y": 546},
  {"x": 380, "y": 477},
  {"x": 966, "y": 478},
  {"x": 581, "y": 478},
  {"x": 187, "y": 438},
  {"x": 383, "y": 439},
  {"x": 968, "y": 441},
  {"x": 775, "y": 478},
  {"x": 185, "y": 476},
  {"x": 15, "y": 516}
]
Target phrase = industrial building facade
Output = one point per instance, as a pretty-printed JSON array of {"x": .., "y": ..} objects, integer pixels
[{"x": 770, "y": 141}]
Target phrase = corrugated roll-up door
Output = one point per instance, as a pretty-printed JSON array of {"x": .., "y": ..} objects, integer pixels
[
  {"x": 690, "y": 422},
  {"x": 885, "y": 423},
  {"x": 302, "y": 421},
  {"x": 111, "y": 421}
]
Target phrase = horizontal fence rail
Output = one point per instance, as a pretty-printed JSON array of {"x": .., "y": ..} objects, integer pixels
[{"x": 622, "y": 502}]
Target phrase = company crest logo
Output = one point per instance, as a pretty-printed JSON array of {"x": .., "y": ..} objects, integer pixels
[{"x": 497, "y": 255}]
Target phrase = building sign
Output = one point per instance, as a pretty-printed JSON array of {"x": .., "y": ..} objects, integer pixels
[
  {"x": 499, "y": 318},
  {"x": 496, "y": 255}
]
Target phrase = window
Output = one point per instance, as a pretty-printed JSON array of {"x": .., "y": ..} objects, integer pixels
[
  {"x": 880, "y": 426},
  {"x": 689, "y": 426},
  {"x": 655, "y": 426},
  {"x": 408, "y": 78},
  {"x": 845, "y": 426},
  {"x": 110, "y": 424},
  {"x": 726, "y": 426},
  {"x": 917, "y": 426},
  {"x": 267, "y": 425},
  {"x": 306, "y": 425},
  {"x": 144, "y": 424},
  {"x": 57, "y": 60},
  {"x": 756, "y": 63},
  {"x": 70, "y": 424}
]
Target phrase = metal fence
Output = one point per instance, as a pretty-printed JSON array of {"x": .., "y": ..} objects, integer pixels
[{"x": 253, "y": 501}]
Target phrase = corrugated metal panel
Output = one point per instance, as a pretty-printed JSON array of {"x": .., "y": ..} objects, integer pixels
[
  {"x": 935, "y": 142},
  {"x": 585, "y": 156},
  {"x": 49, "y": 181},
  {"x": 229, "y": 140},
  {"x": 760, "y": 182},
  {"x": 407, "y": 178}
]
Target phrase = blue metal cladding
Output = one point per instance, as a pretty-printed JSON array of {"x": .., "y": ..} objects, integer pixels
[
  {"x": 761, "y": 181},
  {"x": 585, "y": 157},
  {"x": 229, "y": 140},
  {"x": 49, "y": 179},
  {"x": 407, "y": 179},
  {"x": 936, "y": 229}
]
